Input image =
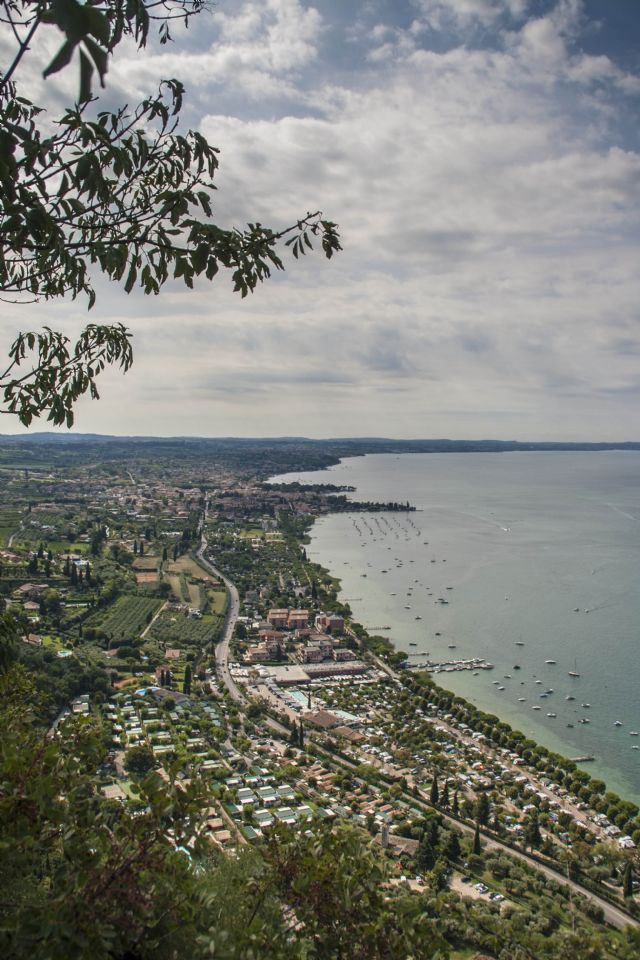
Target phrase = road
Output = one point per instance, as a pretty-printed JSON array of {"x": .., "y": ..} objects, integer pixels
[{"x": 233, "y": 609}]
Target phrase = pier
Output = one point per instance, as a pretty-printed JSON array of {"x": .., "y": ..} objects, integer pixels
[
  {"x": 587, "y": 759},
  {"x": 450, "y": 666}
]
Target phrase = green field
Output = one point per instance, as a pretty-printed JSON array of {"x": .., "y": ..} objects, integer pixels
[
  {"x": 217, "y": 601},
  {"x": 179, "y": 630},
  {"x": 128, "y": 616}
]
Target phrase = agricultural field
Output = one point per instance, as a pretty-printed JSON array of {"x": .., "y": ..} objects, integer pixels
[
  {"x": 181, "y": 630},
  {"x": 9, "y": 523},
  {"x": 217, "y": 601},
  {"x": 128, "y": 617}
]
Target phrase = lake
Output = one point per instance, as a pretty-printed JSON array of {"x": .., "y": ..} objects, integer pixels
[{"x": 538, "y": 557}]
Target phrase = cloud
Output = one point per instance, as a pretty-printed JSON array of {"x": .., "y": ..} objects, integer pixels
[{"x": 486, "y": 187}]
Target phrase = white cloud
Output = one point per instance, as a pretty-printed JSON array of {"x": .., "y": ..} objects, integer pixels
[{"x": 490, "y": 219}]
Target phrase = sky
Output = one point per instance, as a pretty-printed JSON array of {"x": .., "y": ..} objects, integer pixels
[{"x": 482, "y": 160}]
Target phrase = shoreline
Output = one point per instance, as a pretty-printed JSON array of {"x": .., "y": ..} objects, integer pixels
[{"x": 511, "y": 718}]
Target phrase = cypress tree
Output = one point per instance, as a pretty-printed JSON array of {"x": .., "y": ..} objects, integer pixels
[
  {"x": 445, "y": 795},
  {"x": 434, "y": 795},
  {"x": 627, "y": 880},
  {"x": 477, "y": 847},
  {"x": 455, "y": 806}
]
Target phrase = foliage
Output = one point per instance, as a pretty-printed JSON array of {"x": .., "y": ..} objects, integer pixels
[
  {"x": 139, "y": 760},
  {"x": 122, "y": 192}
]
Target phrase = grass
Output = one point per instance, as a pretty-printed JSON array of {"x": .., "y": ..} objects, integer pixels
[
  {"x": 251, "y": 534},
  {"x": 217, "y": 601}
]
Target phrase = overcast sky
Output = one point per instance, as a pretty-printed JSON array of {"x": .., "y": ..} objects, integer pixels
[{"x": 482, "y": 158}]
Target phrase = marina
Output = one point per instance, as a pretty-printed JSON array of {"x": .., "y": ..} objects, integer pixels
[{"x": 449, "y": 666}]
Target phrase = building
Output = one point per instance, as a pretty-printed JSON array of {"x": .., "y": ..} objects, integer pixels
[
  {"x": 343, "y": 653},
  {"x": 279, "y": 619},
  {"x": 316, "y": 651},
  {"x": 298, "y": 619},
  {"x": 329, "y": 623}
]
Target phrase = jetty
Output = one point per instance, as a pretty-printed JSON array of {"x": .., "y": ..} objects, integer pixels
[
  {"x": 588, "y": 759},
  {"x": 449, "y": 666}
]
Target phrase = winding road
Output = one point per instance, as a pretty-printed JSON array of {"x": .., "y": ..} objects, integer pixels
[{"x": 233, "y": 609}]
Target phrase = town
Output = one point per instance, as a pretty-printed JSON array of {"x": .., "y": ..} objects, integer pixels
[{"x": 169, "y": 599}]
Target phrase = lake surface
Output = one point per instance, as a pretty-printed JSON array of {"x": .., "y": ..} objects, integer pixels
[{"x": 538, "y": 556}]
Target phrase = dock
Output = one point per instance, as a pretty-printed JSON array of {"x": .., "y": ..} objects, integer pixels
[
  {"x": 450, "y": 666},
  {"x": 587, "y": 759}
]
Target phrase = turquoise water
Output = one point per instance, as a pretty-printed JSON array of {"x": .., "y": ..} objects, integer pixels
[{"x": 522, "y": 540}]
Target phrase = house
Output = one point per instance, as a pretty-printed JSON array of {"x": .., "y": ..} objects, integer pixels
[
  {"x": 33, "y": 639},
  {"x": 322, "y": 719}
]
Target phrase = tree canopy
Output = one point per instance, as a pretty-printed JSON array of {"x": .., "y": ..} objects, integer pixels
[{"x": 123, "y": 193}]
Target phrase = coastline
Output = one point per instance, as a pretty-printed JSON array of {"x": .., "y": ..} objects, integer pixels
[{"x": 461, "y": 684}]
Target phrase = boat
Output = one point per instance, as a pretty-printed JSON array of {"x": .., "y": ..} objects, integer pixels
[
  {"x": 635, "y": 747},
  {"x": 438, "y": 634},
  {"x": 519, "y": 643},
  {"x": 521, "y": 699},
  {"x": 585, "y": 705},
  {"x": 569, "y": 697},
  {"x": 535, "y": 708},
  {"x": 617, "y": 723},
  {"x": 507, "y": 676},
  {"x": 407, "y": 607},
  {"x": 552, "y": 714},
  {"x": 451, "y": 646},
  {"x": 633, "y": 733},
  {"x": 412, "y": 644},
  {"x": 418, "y": 617},
  {"x": 570, "y": 725},
  {"x": 584, "y": 720},
  {"x": 572, "y": 673},
  {"x": 576, "y": 609},
  {"x": 516, "y": 666},
  {"x": 500, "y": 688},
  {"x": 551, "y": 661}
]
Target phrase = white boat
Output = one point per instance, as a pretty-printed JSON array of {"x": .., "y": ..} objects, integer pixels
[
  {"x": 500, "y": 688},
  {"x": 633, "y": 733},
  {"x": 551, "y": 661},
  {"x": 552, "y": 714},
  {"x": 617, "y": 723},
  {"x": 635, "y": 747},
  {"x": 521, "y": 699},
  {"x": 535, "y": 708}
]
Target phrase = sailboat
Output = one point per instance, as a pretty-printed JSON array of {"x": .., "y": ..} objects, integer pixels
[{"x": 574, "y": 672}]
